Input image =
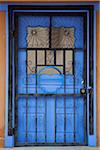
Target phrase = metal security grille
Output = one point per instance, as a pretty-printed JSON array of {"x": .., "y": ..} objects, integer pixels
[{"x": 50, "y": 82}]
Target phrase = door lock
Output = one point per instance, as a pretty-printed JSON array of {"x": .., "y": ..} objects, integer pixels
[
  {"x": 83, "y": 91},
  {"x": 90, "y": 90}
]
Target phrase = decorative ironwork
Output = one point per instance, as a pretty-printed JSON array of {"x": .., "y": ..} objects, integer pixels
[
  {"x": 38, "y": 37},
  {"x": 50, "y": 57},
  {"x": 62, "y": 38},
  {"x": 50, "y": 70},
  {"x": 68, "y": 62},
  {"x": 40, "y": 57},
  {"x": 31, "y": 62}
]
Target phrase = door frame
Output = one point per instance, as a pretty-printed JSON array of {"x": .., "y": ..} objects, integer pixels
[{"x": 89, "y": 11}]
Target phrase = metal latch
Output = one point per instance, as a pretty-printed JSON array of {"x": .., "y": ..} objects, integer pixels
[
  {"x": 83, "y": 91},
  {"x": 11, "y": 131},
  {"x": 90, "y": 90},
  {"x": 86, "y": 91}
]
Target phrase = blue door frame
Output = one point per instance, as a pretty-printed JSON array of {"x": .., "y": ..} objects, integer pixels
[{"x": 91, "y": 139}]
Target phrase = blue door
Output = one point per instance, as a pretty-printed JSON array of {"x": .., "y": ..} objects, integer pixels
[{"x": 51, "y": 79}]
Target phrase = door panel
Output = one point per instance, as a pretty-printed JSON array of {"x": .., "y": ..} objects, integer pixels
[
  {"x": 50, "y": 107},
  {"x": 50, "y": 120},
  {"x": 31, "y": 119},
  {"x": 79, "y": 71},
  {"x": 21, "y": 130},
  {"x": 80, "y": 119}
]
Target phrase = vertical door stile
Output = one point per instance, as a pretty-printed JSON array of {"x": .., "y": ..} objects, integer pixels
[
  {"x": 16, "y": 76},
  {"x": 74, "y": 98},
  {"x": 84, "y": 73}
]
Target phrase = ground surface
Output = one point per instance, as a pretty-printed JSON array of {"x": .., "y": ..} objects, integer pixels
[{"x": 54, "y": 148}]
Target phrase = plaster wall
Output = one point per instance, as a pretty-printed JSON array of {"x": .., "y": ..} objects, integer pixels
[{"x": 2, "y": 74}]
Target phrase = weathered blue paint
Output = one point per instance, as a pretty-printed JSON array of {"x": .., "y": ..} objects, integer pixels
[
  {"x": 3, "y": 7},
  {"x": 46, "y": 84}
]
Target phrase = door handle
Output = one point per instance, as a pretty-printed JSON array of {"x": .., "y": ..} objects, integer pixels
[
  {"x": 86, "y": 91},
  {"x": 83, "y": 91}
]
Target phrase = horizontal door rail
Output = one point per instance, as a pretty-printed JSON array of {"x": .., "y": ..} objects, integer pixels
[
  {"x": 49, "y": 94},
  {"x": 58, "y": 49},
  {"x": 50, "y": 144}
]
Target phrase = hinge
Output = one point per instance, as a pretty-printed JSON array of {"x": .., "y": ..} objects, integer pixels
[
  {"x": 90, "y": 90},
  {"x": 13, "y": 33},
  {"x": 11, "y": 131}
]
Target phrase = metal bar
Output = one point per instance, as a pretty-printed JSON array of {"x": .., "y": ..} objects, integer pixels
[
  {"x": 51, "y": 13},
  {"x": 16, "y": 75},
  {"x": 51, "y": 7},
  {"x": 45, "y": 58},
  {"x": 75, "y": 95},
  {"x": 36, "y": 92},
  {"x": 64, "y": 70},
  {"x": 55, "y": 57},
  {"x": 91, "y": 75},
  {"x": 51, "y": 65},
  {"x": 59, "y": 49},
  {"x": 50, "y": 30},
  {"x": 10, "y": 80},
  {"x": 73, "y": 62},
  {"x": 26, "y": 97},
  {"x": 49, "y": 144},
  {"x": 85, "y": 73}
]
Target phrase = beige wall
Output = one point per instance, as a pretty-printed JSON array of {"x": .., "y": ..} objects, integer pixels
[{"x": 2, "y": 75}]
